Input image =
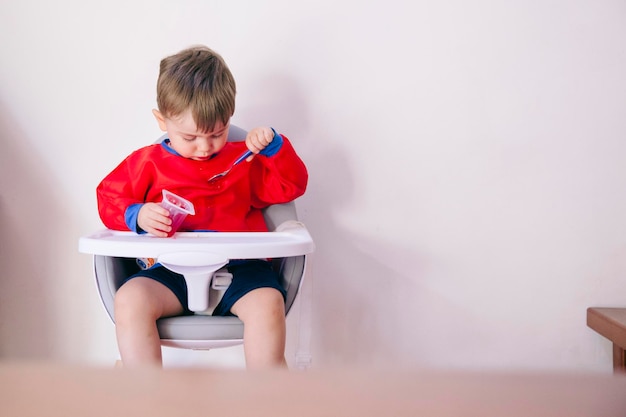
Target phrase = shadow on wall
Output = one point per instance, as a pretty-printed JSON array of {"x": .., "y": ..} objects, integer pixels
[
  {"x": 26, "y": 242},
  {"x": 373, "y": 305}
]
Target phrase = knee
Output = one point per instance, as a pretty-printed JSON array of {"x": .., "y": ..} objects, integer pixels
[
  {"x": 272, "y": 304},
  {"x": 133, "y": 302},
  {"x": 274, "y": 307},
  {"x": 265, "y": 304}
]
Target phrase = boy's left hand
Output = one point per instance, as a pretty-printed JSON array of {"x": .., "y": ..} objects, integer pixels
[{"x": 258, "y": 138}]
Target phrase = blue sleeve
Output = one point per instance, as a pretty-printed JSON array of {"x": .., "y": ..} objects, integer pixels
[
  {"x": 274, "y": 146},
  {"x": 130, "y": 217}
]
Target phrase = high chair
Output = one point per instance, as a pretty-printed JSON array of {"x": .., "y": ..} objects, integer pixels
[{"x": 198, "y": 255}]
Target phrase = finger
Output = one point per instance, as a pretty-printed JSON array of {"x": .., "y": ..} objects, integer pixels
[
  {"x": 162, "y": 211},
  {"x": 162, "y": 218},
  {"x": 269, "y": 136},
  {"x": 261, "y": 137},
  {"x": 158, "y": 219},
  {"x": 254, "y": 145},
  {"x": 264, "y": 138},
  {"x": 159, "y": 229},
  {"x": 159, "y": 211},
  {"x": 157, "y": 232}
]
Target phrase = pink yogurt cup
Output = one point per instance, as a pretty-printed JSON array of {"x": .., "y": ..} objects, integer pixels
[{"x": 178, "y": 207}]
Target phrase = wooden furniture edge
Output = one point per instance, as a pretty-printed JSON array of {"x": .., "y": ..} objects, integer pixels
[{"x": 610, "y": 322}]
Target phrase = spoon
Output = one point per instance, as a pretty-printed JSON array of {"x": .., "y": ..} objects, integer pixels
[{"x": 222, "y": 174}]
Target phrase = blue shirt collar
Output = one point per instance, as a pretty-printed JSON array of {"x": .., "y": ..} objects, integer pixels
[{"x": 165, "y": 143}]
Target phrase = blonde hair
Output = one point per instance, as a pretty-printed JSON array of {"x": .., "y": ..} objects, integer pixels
[{"x": 196, "y": 79}]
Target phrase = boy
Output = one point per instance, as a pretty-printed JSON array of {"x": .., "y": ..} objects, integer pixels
[{"x": 196, "y": 99}]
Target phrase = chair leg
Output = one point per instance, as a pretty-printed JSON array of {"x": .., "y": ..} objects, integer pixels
[{"x": 619, "y": 359}]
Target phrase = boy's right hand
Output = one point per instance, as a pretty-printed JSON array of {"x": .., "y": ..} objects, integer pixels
[{"x": 154, "y": 219}]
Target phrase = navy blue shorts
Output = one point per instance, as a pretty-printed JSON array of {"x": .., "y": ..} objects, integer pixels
[{"x": 248, "y": 275}]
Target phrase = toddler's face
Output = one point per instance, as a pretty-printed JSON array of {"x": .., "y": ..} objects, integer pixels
[{"x": 190, "y": 143}]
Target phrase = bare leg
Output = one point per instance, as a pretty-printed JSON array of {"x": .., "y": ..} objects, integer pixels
[
  {"x": 263, "y": 314},
  {"x": 138, "y": 305}
]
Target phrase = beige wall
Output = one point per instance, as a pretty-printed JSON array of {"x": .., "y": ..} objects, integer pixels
[{"x": 466, "y": 158}]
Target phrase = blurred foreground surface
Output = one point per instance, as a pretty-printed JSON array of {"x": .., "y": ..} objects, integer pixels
[{"x": 63, "y": 390}]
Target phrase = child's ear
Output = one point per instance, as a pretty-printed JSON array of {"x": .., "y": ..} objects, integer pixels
[{"x": 160, "y": 119}]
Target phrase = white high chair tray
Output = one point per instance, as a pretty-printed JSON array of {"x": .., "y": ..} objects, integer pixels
[{"x": 233, "y": 245}]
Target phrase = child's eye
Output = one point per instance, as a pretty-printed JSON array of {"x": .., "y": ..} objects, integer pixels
[
  {"x": 218, "y": 135},
  {"x": 189, "y": 138}
]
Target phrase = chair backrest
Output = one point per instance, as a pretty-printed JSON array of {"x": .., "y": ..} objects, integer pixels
[{"x": 111, "y": 271}]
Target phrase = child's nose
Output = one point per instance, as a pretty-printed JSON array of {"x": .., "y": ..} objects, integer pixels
[{"x": 204, "y": 145}]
